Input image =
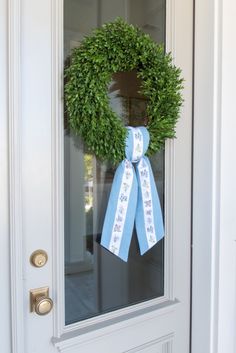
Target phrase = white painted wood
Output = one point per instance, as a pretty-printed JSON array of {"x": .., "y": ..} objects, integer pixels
[
  {"x": 214, "y": 320},
  {"x": 227, "y": 220},
  {"x": 160, "y": 315},
  {"x": 206, "y": 171},
  {"x": 40, "y": 160},
  {"x": 5, "y": 295},
  {"x": 57, "y": 167},
  {"x": 15, "y": 191},
  {"x": 181, "y": 39},
  {"x": 204, "y": 126},
  {"x": 36, "y": 151}
]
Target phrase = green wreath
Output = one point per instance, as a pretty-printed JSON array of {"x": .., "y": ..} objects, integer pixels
[{"x": 116, "y": 47}]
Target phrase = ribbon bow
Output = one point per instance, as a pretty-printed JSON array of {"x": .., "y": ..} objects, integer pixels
[{"x": 133, "y": 197}]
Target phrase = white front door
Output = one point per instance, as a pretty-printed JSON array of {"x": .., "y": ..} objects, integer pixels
[{"x": 101, "y": 304}]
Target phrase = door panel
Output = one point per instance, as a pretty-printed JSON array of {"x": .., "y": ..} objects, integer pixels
[{"x": 156, "y": 321}]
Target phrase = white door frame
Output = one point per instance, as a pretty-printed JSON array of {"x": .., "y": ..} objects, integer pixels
[
  {"x": 206, "y": 178},
  {"x": 214, "y": 175},
  {"x": 5, "y": 319}
]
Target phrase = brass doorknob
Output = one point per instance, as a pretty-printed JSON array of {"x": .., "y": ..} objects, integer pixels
[
  {"x": 43, "y": 305},
  {"x": 40, "y": 303}
]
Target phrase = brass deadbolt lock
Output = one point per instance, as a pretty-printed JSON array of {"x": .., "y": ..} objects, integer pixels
[
  {"x": 40, "y": 303},
  {"x": 39, "y": 258}
]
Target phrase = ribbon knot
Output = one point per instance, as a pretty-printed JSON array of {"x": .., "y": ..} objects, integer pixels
[{"x": 133, "y": 198}]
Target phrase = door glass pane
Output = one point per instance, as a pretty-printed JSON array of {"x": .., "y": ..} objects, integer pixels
[{"x": 95, "y": 280}]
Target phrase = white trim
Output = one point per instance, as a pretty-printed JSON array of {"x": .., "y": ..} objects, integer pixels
[
  {"x": 120, "y": 314},
  {"x": 169, "y": 165},
  {"x": 14, "y": 104},
  {"x": 76, "y": 338},
  {"x": 5, "y": 296},
  {"x": 169, "y": 220},
  {"x": 57, "y": 166},
  {"x": 206, "y": 172},
  {"x": 217, "y": 81},
  {"x": 165, "y": 340},
  {"x": 226, "y": 260},
  {"x": 58, "y": 185}
]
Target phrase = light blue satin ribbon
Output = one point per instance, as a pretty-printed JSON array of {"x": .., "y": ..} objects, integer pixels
[{"x": 133, "y": 198}]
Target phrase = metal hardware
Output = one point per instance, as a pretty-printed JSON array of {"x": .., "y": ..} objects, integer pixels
[
  {"x": 39, "y": 258},
  {"x": 40, "y": 303}
]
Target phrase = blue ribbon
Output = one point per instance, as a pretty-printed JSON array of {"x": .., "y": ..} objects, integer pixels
[{"x": 133, "y": 198}]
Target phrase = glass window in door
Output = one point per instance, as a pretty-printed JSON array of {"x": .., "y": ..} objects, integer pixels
[{"x": 96, "y": 281}]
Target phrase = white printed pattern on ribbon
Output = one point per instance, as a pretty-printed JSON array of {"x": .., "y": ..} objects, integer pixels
[
  {"x": 137, "y": 144},
  {"x": 147, "y": 203},
  {"x": 121, "y": 210}
]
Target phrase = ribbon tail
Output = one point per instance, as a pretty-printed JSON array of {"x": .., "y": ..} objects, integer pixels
[
  {"x": 148, "y": 219},
  {"x": 120, "y": 214}
]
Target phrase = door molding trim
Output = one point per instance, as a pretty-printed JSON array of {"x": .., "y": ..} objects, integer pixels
[
  {"x": 77, "y": 338},
  {"x": 15, "y": 200},
  {"x": 58, "y": 183},
  {"x": 57, "y": 139},
  {"x": 206, "y": 175}
]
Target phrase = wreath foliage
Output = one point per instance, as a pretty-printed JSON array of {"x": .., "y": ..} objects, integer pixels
[{"x": 117, "y": 47}]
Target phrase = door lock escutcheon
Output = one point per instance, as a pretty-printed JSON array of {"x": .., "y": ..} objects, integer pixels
[{"x": 40, "y": 303}]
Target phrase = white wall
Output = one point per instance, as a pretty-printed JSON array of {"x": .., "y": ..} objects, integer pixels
[{"x": 5, "y": 338}]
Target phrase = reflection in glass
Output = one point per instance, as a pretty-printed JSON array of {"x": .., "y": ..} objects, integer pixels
[{"x": 95, "y": 280}]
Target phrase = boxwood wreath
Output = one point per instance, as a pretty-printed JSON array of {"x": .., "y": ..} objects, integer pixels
[{"x": 113, "y": 48}]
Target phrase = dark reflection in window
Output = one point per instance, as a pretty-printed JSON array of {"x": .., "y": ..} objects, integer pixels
[{"x": 95, "y": 280}]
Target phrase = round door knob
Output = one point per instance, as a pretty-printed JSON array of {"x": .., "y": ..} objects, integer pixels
[{"x": 43, "y": 305}]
